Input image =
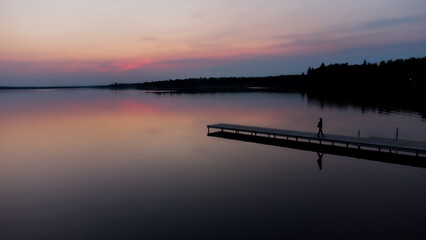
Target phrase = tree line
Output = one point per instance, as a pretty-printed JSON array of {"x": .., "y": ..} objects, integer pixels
[{"x": 385, "y": 78}]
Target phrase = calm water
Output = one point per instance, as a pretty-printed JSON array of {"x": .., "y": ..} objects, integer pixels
[{"x": 93, "y": 164}]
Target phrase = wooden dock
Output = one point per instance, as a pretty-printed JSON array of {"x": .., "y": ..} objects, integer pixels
[{"x": 381, "y": 145}]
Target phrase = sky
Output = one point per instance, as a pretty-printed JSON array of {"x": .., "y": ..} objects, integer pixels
[{"x": 87, "y": 42}]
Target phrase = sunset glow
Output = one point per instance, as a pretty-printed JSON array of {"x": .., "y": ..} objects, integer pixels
[{"x": 78, "y": 42}]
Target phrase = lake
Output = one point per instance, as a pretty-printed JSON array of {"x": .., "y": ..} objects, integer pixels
[{"x": 101, "y": 164}]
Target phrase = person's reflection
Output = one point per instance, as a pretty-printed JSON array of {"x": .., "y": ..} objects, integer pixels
[{"x": 319, "y": 161}]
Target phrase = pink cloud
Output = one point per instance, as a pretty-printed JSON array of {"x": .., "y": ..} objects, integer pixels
[{"x": 72, "y": 66}]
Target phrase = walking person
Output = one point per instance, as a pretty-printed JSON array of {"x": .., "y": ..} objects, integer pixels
[{"x": 320, "y": 128}]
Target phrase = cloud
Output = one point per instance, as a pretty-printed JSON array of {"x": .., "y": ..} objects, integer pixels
[
  {"x": 70, "y": 66},
  {"x": 362, "y": 34},
  {"x": 148, "y": 39},
  {"x": 392, "y": 22}
]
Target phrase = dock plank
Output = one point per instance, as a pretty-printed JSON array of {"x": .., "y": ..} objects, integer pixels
[{"x": 380, "y": 144}]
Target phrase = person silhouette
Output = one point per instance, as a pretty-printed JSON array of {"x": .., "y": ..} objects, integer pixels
[{"x": 320, "y": 128}]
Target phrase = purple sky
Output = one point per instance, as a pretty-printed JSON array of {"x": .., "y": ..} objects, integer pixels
[{"x": 84, "y": 42}]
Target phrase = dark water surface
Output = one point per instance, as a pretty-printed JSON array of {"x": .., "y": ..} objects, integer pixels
[{"x": 96, "y": 164}]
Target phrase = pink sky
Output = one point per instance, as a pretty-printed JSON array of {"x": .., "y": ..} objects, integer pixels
[{"x": 99, "y": 42}]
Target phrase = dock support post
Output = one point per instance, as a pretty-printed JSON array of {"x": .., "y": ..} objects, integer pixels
[{"x": 359, "y": 132}]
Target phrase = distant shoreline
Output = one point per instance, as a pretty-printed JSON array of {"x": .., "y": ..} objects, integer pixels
[
  {"x": 386, "y": 78},
  {"x": 398, "y": 85},
  {"x": 395, "y": 81},
  {"x": 47, "y": 88}
]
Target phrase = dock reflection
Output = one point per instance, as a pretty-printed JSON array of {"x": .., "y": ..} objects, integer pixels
[{"x": 321, "y": 149}]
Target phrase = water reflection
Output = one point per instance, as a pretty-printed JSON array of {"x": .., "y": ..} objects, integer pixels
[
  {"x": 92, "y": 164},
  {"x": 398, "y": 105},
  {"x": 329, "y": 149},
  {"x": 372, "y": 104}
]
